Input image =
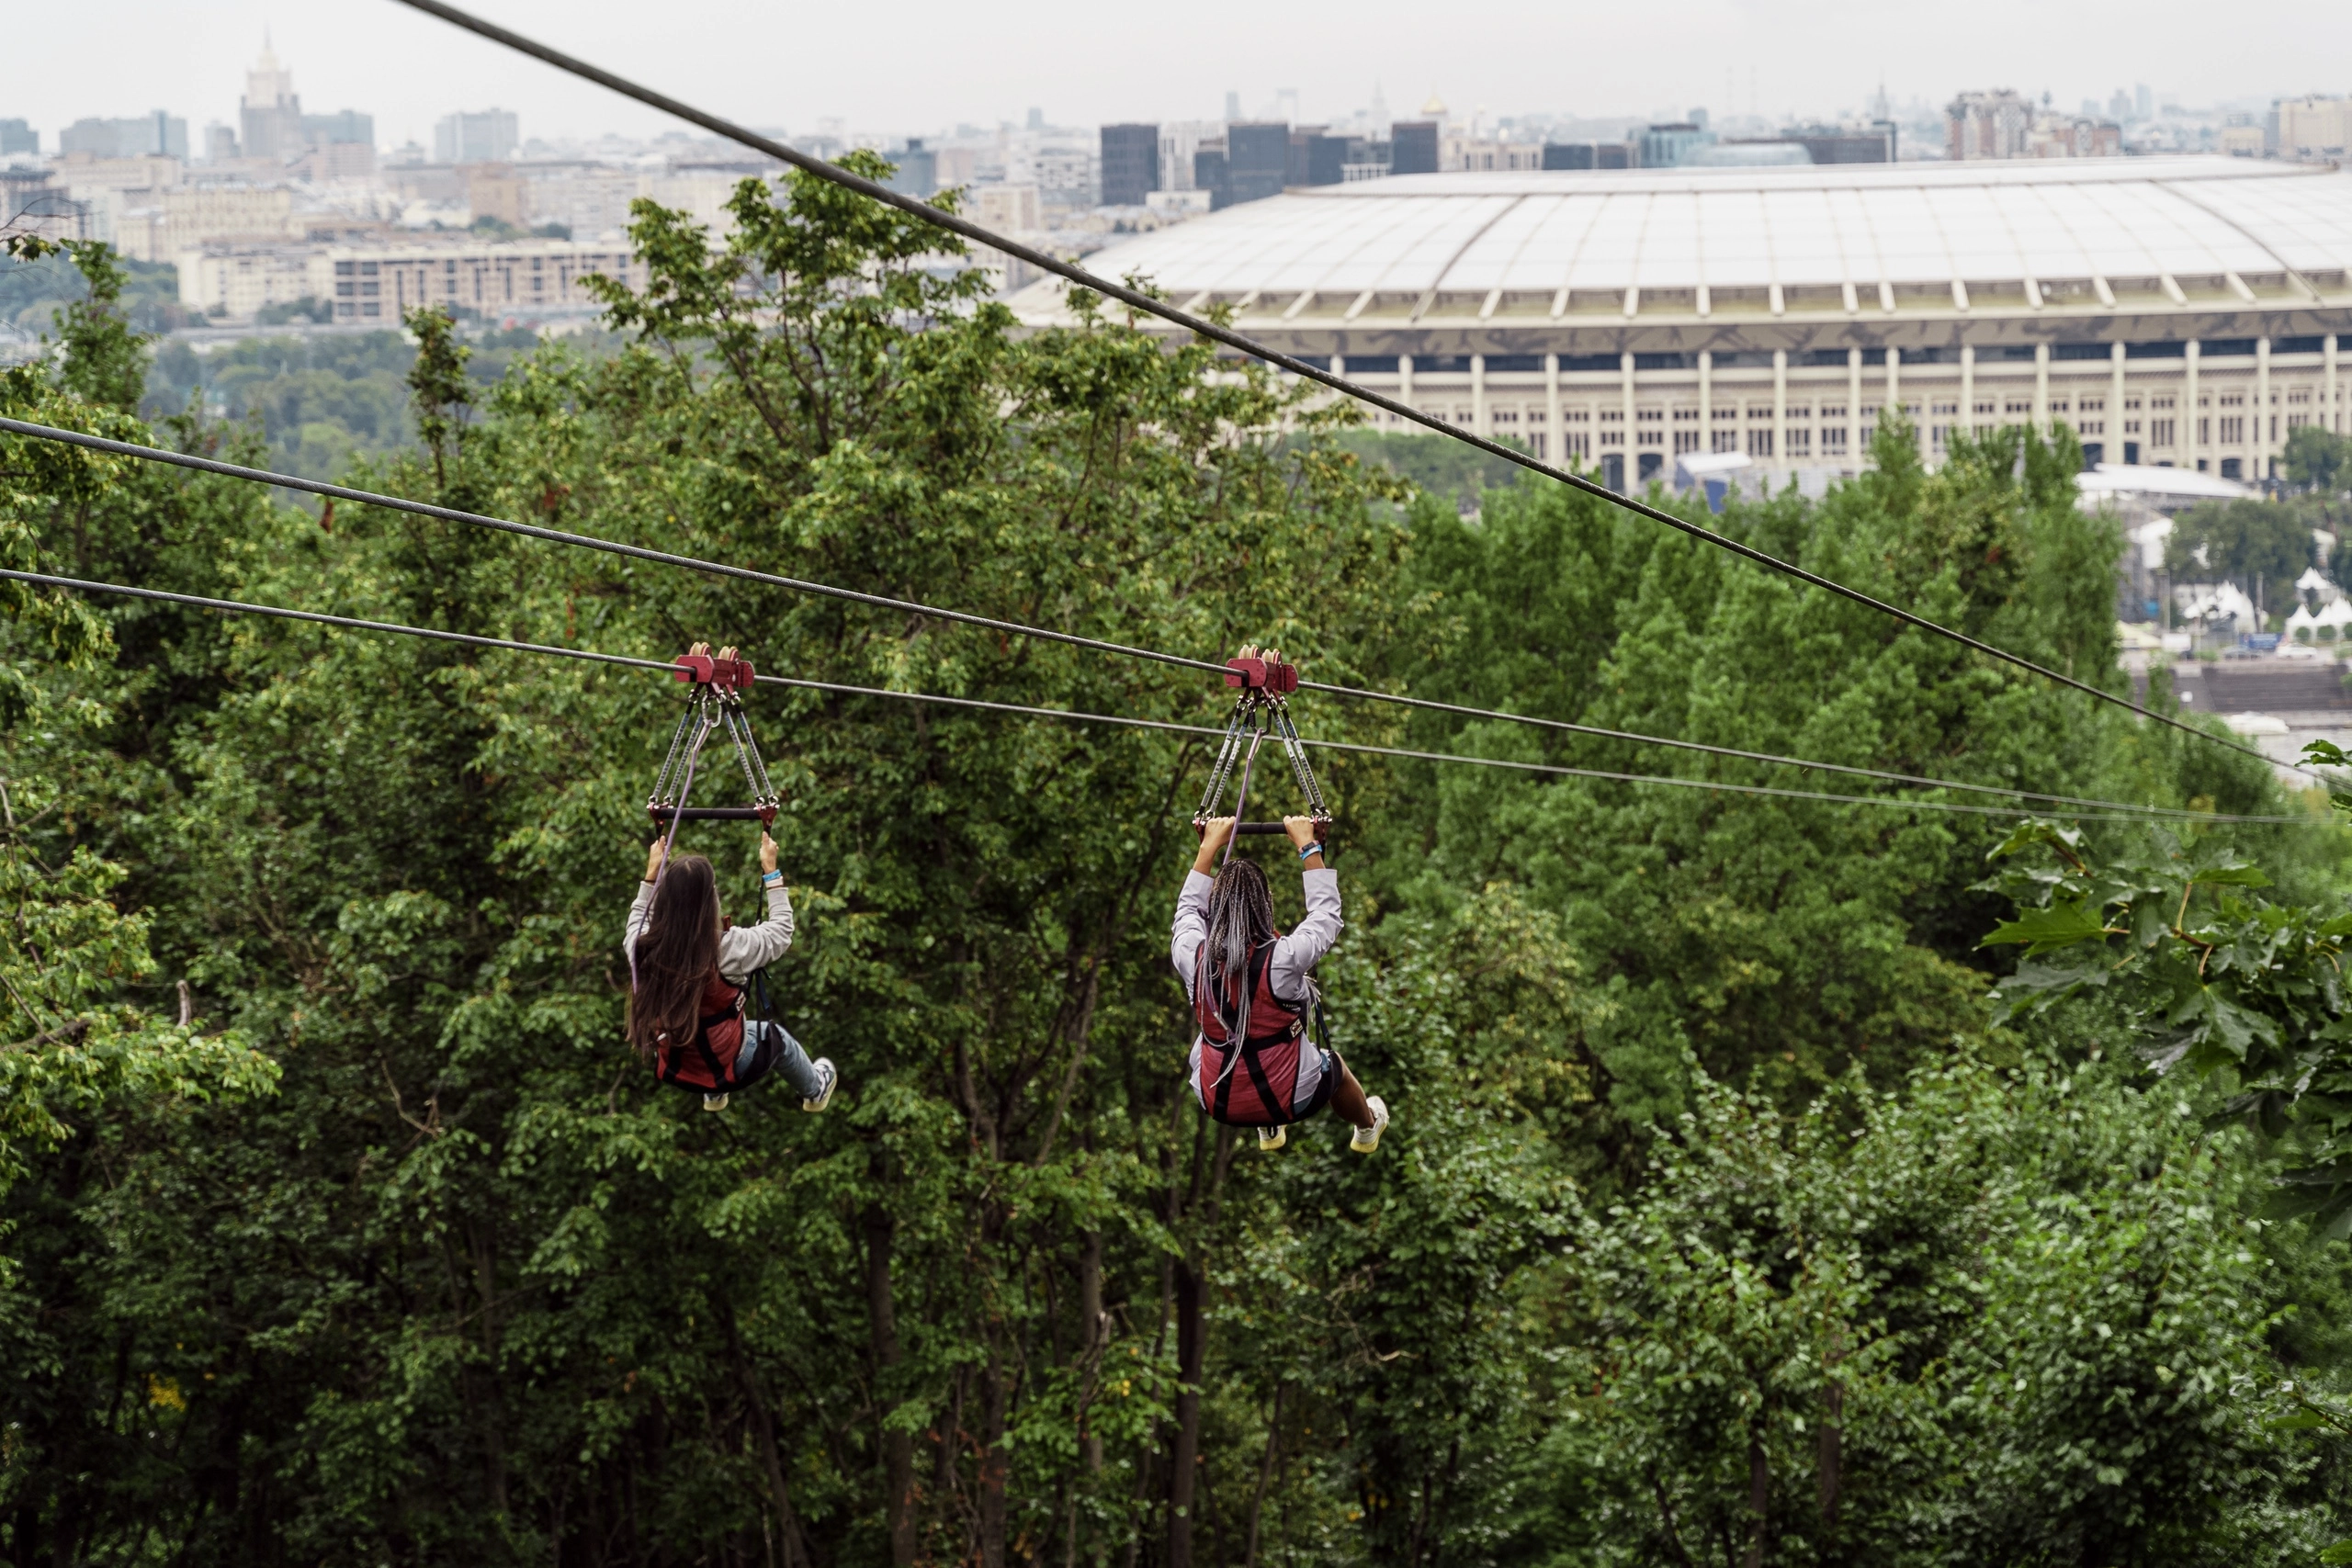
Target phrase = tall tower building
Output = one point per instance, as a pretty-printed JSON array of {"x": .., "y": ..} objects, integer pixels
[{"x": 272, "y": 114}]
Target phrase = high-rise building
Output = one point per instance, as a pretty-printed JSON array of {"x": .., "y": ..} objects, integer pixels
[
  {"x": 220, "y": 143},
  {"x": 490, "y": 136},
  {"x": 1316, "y": 157},
  {"x": 1987, "y": 125},
  {"x": 2002, "y": 124},
  {"x": 1130, "y": 164},
  {"x": 1257, "y": 155},
  {"x": 157, "y": 133},
  {"x": 1666, "y": 146},
  {"x": 917, "y": 169},
  {"x": 1212, "y": 173},
  {"x": 341, "y": 127},
  {"x": 271, "y": 115},
  {"x": 2311, "y": 130},
  {"x": 1413, "y": 147},
  {"x": 1179, "y": 140},
  {"x": 2143, "y": 101},
  {"x": 17, "y": 136},
  {"x": 1232, "y": 107}
]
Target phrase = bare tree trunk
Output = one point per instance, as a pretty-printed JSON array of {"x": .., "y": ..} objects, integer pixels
[
  {"x": 1760, "y": 1498},
  {"x": 1092, "y": 1331},
  {"x": 1266, "y": 1476},
  {"x": 1830, "y": 1474},
  {"x": 771, "y": 1457},
  {"x": 898, "y": 1444},
  {"x": 1831, "y": 1458},
  {"x": 1184, "y": 1462},
  {"x": 992, "y": 1466}
]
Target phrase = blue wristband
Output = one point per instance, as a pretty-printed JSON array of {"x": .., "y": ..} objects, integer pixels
[
  {"x": 1310, "y": 850},
  {"x": 768, "y": 878}
]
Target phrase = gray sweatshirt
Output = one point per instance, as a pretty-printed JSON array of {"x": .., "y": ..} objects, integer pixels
[{"x": 741, "y": 949}]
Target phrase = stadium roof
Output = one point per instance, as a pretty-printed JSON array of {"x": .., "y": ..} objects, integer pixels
[{"x": 2167, "y": 224}]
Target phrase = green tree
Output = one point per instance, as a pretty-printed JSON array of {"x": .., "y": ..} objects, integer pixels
[
  {"x": 2314, "y": 458},
  {"x": 2240, "y": 541}
]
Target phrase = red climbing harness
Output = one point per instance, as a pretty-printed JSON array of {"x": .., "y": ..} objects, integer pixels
[
  {"x": 707, "y": 1061},
  {"x": 1257, "y": 1084}
]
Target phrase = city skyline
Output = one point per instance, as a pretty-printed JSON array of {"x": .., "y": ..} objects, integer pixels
[{"x": 941, "y": 67}]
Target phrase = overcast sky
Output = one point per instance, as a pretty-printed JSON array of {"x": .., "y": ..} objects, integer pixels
[{"x": 912, "y": 65}]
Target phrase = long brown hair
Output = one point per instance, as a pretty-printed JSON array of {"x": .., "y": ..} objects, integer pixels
[
  {"x": 676, "y": 955},
  {"x": 1241, "y": 920}
]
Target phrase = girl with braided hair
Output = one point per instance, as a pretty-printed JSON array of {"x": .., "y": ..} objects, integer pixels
[{"x": 1253, "y": 1062}]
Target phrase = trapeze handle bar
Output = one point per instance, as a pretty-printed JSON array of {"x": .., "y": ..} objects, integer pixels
[
  {"x": 761, "y": 814},
  {"x": 1322, "y": 829}
]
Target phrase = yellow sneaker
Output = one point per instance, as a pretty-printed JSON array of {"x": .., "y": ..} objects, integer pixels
[
  {"x": 1368, "y": 1138},
  {"x": 1272, "y": 1138}
]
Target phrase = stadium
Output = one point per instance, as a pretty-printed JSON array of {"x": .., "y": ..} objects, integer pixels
[{"x": 2175, "y": 312}]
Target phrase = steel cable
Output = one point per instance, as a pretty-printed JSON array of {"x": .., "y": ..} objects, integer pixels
[
  {"x": 664, "y": 558},
  {"x": 2111, "y": 811},
  {"x": 1138, "y": 300}
]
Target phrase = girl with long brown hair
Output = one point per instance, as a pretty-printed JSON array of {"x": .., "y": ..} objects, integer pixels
[
  {"x": 689, "y": 967},
  {"x": 1254, "y": 1062}
]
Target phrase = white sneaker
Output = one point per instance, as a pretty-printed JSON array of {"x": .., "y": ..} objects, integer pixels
[
  {"x": 714, "y": 1102},
  {"x": 1272, "y": 1138},
  {"x": 1368, "y": 1138},
  {"x": 831, "y": 1076}
]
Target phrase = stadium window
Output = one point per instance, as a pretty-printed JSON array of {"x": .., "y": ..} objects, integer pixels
[
  {"x": 2160, "y": 433},
  {"x": 2204, "y": 430},
  {"x": 1833, "y": 440},
  {"x": 1727, "y": 440},
  {"x": 1801, "y": 443},
  {"x": 1685, "y": 441},
  {"x": 2233, "y": 429},
  {"x": 1759, "y": 443}
]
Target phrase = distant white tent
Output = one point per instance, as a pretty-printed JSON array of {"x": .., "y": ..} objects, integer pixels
[
  {"x": 2325, "y": 626},
  {"x": 1718, "y": 473},
  {"x": 2212, "y": 603}
]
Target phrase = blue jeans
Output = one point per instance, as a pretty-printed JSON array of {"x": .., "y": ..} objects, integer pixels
[{"x": 770, "y": 1048}]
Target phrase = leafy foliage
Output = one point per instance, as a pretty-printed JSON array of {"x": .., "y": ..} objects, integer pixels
[
  {"x": 467, "y": 1286},
  {"x": 2239, "y": 541}
]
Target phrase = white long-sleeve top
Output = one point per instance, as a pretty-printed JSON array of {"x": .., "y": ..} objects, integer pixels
[
  {"x": 1295, "y": 955},
  {"x": 741, "y": 949}
]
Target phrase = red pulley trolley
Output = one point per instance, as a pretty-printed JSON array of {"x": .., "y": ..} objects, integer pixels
[
  {"x": 1264, "y": 680},
  {"x": 716, "y": 703}
]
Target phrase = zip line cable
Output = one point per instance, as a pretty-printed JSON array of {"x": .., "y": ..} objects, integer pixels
[
  {"x": 2115, "y": 811},
  {"x": 582, "y": 541},
  {"x": 1137, "y": 299},
  {"x": 663, "y": 557}
]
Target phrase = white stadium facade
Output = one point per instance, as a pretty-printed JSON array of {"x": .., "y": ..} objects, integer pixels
[{"x": 2177, "y": 311}]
